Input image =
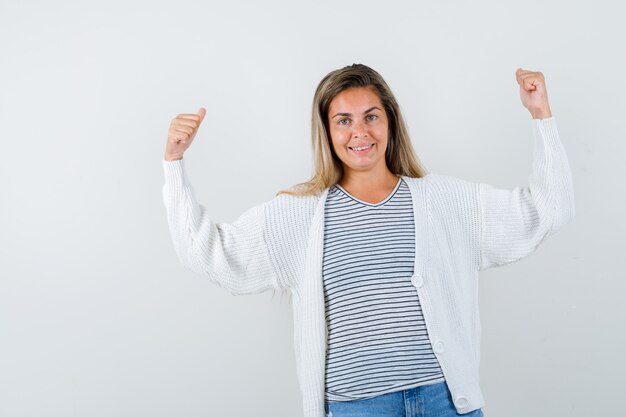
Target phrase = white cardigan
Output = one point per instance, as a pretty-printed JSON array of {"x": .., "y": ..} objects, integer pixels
[{"x": 460, "y": 228}]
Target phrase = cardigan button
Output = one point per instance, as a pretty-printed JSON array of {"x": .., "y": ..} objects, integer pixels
[
  {"x": 438, "y": 346},
  {"x": 461, "y": 402},
  {"x": 417, "y": 280}
]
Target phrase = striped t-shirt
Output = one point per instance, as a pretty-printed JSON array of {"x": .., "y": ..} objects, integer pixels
[{"x": 377, "y": 339}]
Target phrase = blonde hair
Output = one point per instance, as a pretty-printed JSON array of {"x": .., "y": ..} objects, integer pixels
[{"x": 328, "y": 170}]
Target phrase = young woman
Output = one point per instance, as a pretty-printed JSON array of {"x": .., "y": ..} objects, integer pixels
[{"x": 380, "y": 257}]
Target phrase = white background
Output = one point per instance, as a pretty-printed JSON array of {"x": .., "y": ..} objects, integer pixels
[{"x": 98, "y": 318}]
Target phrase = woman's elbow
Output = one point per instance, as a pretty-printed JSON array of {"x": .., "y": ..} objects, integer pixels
[{"x": 564, "y": 214}]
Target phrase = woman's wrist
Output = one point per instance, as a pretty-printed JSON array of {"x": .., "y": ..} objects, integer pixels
[
  {"x": 541, "y": 113},
  {"x": 172, "y": 158}
]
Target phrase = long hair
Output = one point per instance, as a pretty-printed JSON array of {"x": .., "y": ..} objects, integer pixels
[{"x": 328, "y": 170}]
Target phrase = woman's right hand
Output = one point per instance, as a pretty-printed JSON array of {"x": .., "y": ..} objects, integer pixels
[{"x": 182, "y": 131}]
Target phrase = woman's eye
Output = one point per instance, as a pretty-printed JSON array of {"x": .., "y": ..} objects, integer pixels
[
  {"x": 372, "y": 117},
  {"x": 343, "y": 121}
]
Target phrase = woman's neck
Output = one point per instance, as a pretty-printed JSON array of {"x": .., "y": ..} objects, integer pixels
[{"x": 369, "y": 182}]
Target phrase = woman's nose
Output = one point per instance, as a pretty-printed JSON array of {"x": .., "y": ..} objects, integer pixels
[{"x": 359, "y": 130}]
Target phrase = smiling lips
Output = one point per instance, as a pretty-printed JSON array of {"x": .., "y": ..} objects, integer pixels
[{"x": 361, "y": 149}]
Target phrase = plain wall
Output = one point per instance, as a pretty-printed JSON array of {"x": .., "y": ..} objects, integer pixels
[{"x": 98, "y": 318}]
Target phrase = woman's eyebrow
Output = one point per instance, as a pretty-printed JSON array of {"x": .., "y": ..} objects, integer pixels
[{"x": 350, "y": 114}]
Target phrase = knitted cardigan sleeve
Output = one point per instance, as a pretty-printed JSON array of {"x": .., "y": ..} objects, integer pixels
[
  {"x": 514, "y": 222},
  {"x": 232, "y": 255}
]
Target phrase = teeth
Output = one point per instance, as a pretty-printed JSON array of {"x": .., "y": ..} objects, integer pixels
[{"x": 361, "y": 148}]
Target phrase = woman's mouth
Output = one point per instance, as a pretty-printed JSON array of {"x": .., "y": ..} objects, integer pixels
[{"x": 361, "y": 149}]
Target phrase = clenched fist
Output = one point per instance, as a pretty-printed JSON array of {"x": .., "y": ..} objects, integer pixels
[
  {"x": 182, "y": 131},
  {"x": 533, "y": 93}
]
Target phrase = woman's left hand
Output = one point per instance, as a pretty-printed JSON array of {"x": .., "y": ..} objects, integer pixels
[{"x": 533, "y": 93}]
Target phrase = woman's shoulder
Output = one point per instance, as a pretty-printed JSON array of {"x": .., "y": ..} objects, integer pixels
[
  {"x": 288, "y": 219},
  {"x": 434, "y": 179},
  {"x": 446, "y": 188},
  {"x": 285, "y": 200},
  {"x": 292, "y": 208}
]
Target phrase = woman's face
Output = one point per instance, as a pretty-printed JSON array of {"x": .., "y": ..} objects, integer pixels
[{"x": 357, "y": 119}]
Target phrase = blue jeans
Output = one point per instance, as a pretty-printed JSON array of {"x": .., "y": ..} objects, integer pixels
[{"x": 432, "y": 400}]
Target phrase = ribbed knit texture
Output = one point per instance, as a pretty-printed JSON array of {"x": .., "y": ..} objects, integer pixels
[{"x": 460, "y": 228}]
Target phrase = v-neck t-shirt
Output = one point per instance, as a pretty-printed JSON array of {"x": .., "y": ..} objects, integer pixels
[{"x": 377, "y": 338}]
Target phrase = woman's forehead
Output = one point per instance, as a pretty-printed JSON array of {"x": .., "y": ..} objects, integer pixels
[{"x": 355, "y": 98}]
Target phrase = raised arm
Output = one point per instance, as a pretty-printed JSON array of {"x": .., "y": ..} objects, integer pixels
[
  {"x": 514, "y": 222},
  {"x": 232, "y": 255}
]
